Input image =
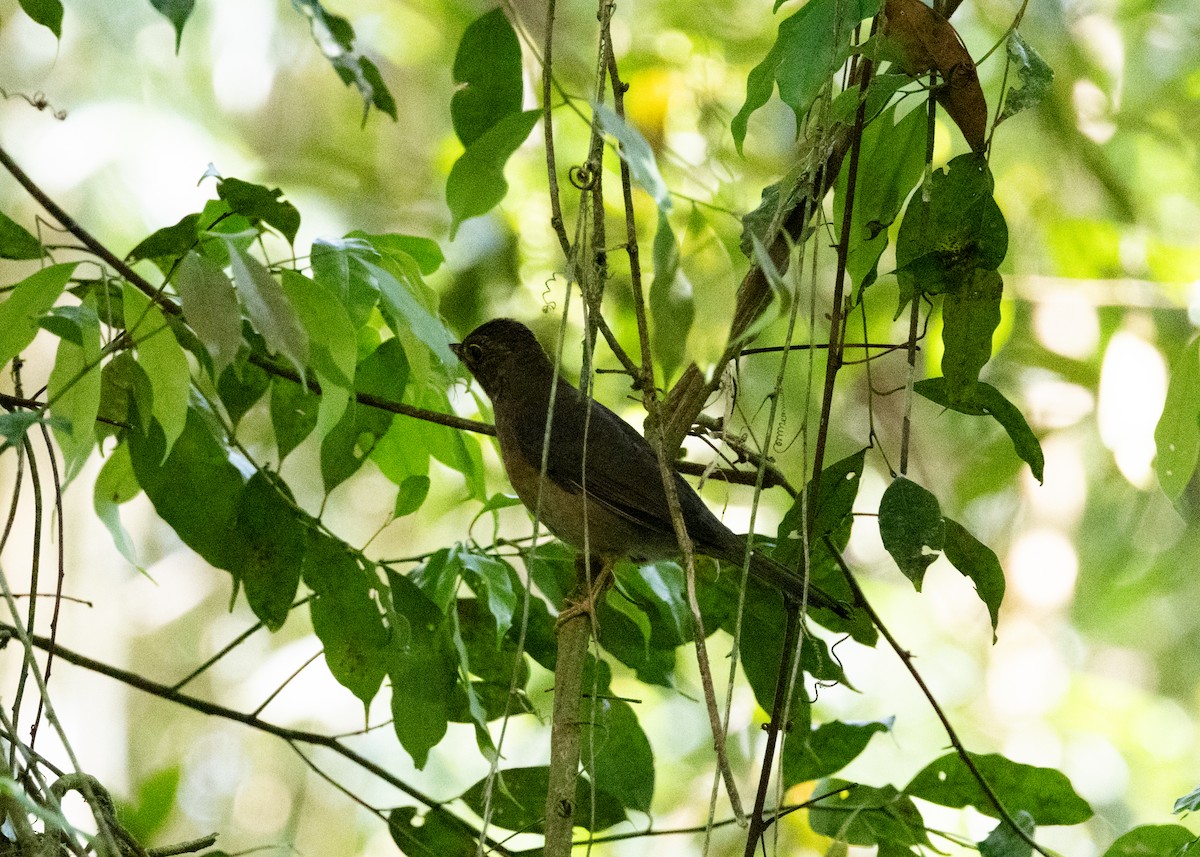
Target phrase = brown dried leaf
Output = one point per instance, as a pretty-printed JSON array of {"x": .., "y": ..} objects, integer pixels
[{"x": 921, "y": 40}]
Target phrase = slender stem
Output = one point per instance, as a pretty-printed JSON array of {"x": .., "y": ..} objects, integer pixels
[
  {"x": 837, "y": 327},
  {"x": 658, "y": 440},
  {"x": 914, "y": 315},
  {"x": 759, "y": 825},
  {"x": 163, "y": 691},
  {"x": 556, "y": 216},
  {"x": 906, "y": 658},
  {"x": 171, "y": 308}
]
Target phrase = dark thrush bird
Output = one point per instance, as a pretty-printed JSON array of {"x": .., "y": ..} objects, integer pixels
[{"x": 626, "y": 507}]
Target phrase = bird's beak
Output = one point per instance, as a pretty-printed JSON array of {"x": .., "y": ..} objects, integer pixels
[{"x": 456, "y": 347}]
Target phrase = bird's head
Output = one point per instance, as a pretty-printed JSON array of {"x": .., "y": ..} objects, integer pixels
[{"x": 498, "y": 350}]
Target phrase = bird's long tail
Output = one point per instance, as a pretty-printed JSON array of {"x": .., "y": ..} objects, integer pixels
[{"x": 789, "y": 582}]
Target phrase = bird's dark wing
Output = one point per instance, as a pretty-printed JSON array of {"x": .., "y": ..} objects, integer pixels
[{"x": 619, "y": 467}]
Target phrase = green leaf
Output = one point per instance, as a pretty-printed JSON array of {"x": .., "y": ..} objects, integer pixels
[
  {"x": 177, "y": 12},
  {"x": 73, "y": 393},
  {"x": 16, "y": 242},
  {"x": 116, "y": 484},
  {"x": 270, "y": 537},
  {"x": 1190, "y": 802},
  {"x": 1034, "y": 73},
  {"x": 384, "y": 374},
  {"x": 827, "y": 511},
  {"x": 204, "y": 519},
  {"x": 211, "y": 308},
  {"x": 619, "y": 760},
  {"x": 48, "y": 13},
  {"x": 456, "y": 449},
  {"x": 170, "y": 242},
  {"x": 970, "y": 316},
  {"x": 493, "y": 659},
  {"x": 910, "y": 521},
  {"x": 476, "y": 182},
  {"x": 258, "y": 203},
  {"x": 1044, "y": 793},
  {"x": 241, "y": 386},
  {"x": 812, "y": 44},
  {"x": 346, "y": 617},
  {"x": 1152, "y": 840},
  {"x": 978, "y": 562},
  {"x": 28, "y": 301},
  {"x": 487, "y": 69},
  {"x": 331, "y": 267},
  {"x": 424, "y": 251},
  {"x": 156, "y": 797},
  {"x": 636, "y": 152},
  {"x": 423, "y": 674},
  {"x": 269, "y": 309},
  {"x": 830, "y": 514},
  {"x": 959, "y": 230},
  {"x": 399, "y": 286},
  {"x": 671, "y": 306},
  {"x": 126, "y": 396},
  {"x": 401, "y": 455},
  {"x": 863, "y": 815},
  {"x": 489, "y": 578},
  {"x": 1003, "y": 841},
  {"x": 891, "y": 163},
  {"x": 985, "y": 399},
  {"x": 412, "y": 494},
  {"x": 335, "y": 37},
  {"x": 519, "y": 801},
  {"x": 331, "y": 342},
  {"x": 15, "y": 425},
  {"x": 826, "y": 749},
  {"x": 160, "y": 355},
  {"x": 1177, "y": 435},
  {"x": 437, "y": 831}
]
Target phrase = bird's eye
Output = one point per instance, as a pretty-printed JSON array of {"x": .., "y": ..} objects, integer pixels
[{"x": 473, "y": 352}]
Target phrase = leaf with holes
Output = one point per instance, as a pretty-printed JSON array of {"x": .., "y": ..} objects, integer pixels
[
  {"x": 970, "y": 316},
  {"x": 911, "y": 526},
  {"x": 979, "y": 563},
  {"x": 1045, "y": 793},
  {"x": 1034, "y": 73},
  {"x": 1177, "y": 435}
]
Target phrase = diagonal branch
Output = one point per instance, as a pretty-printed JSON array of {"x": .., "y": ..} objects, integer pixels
[{"x": 292, "y": 735}]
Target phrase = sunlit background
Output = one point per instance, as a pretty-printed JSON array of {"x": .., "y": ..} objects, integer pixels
[{"x": 1096, "y": 670}]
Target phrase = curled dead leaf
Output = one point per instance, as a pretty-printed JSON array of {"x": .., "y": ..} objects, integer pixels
[{"x": 920, "y": 40}]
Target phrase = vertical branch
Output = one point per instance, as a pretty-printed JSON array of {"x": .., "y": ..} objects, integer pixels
[
  {"x": 758, "y": 825},
  {"x": 657, "y": 440},
  {"x": 60, "y": 579},
  {"x": 914, "y": 314},
  {"x": 565, "y": 728},
  {"x": 556, "y": 218},
  {"x": 837, "y": 319}
]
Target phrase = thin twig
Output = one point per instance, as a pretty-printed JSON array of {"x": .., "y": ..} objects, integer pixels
[
  {"x": 860, "y": 600},
  {"x": 657, "y": 439},
  {"x": 287, "y": 734},
  {"x": 171, "y": 308}
]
